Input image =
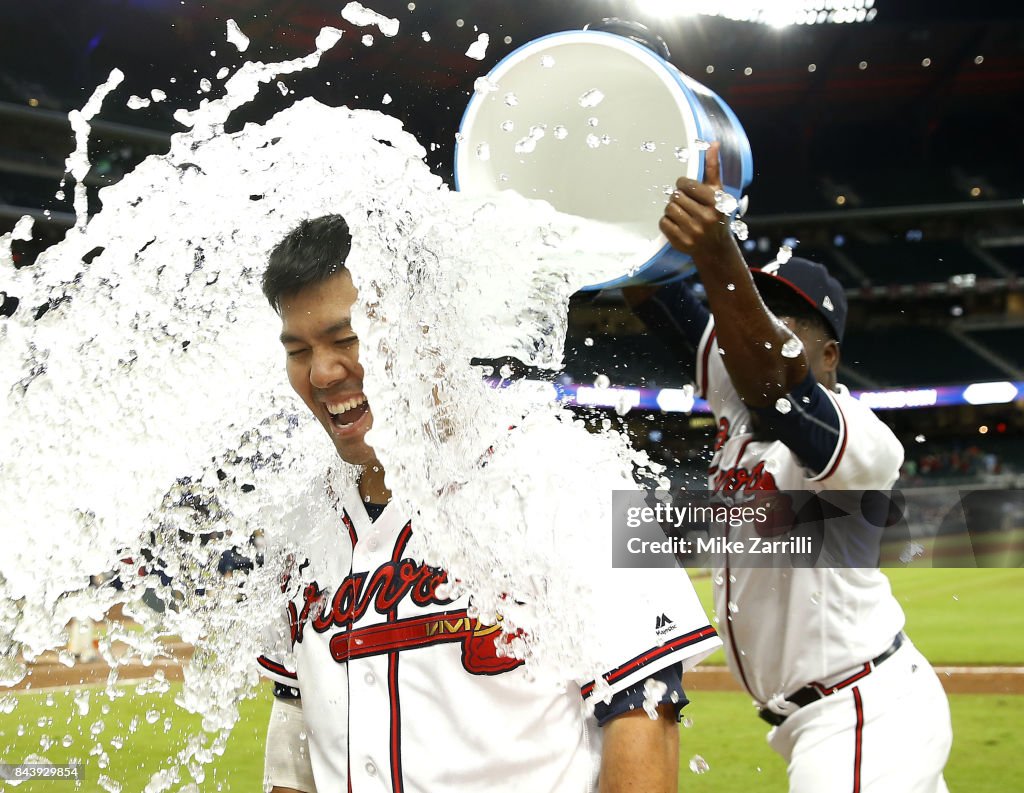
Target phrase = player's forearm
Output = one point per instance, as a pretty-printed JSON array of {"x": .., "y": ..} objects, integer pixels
[
  {"x": 748, "y": 333},
  {"x": 640, "y": 754}
]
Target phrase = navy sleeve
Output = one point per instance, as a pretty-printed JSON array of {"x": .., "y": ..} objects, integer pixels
[
  {"x": 632, "y": 698},
  {"x": 675, "y": 315},
  {"x": 812, "y": 428}
]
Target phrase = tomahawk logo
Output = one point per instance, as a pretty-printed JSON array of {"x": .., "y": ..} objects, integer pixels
[{"x": 663, "y": 624}]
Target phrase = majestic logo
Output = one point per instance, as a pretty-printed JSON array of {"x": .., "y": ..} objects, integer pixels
[{"x": 663, "y": 625}]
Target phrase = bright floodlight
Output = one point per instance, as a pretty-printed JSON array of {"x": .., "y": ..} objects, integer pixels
[{"x": 777, "y": 13}]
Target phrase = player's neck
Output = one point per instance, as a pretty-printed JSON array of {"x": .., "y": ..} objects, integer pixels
[{"x": 371, "y": 484}]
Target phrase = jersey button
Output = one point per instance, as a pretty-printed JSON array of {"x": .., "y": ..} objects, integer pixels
[
  {"x": 370, "y": 679},
  {"x": 371, "y": 769}
]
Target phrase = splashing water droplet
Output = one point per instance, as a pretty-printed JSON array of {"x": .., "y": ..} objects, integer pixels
[
  {"x": 236, "y": 36},
  {"x": 731, "y": 287},
  {"x": 719, "y": 579},
  {"x": 526, "y": 145},
  {"x": 699, "y": 765},
  {"x": 816, "y": 598},
  {"x": 784, "y": 255},
  {"x": 478, "y": 49},
  {"x": 361, "y": 16},
  {"x": 66, "y": 741},
  {"x": 602, "y": 381},
  {"x": 606, "y": 139},
  {"x": 739, "y": 229},
  {"x": 588, "y": 342},
  {"x": 682, "y": 153},
  {"x": 919, "y": 438},
  {"x": 701, "y": 145},
  {"x": 561, "y": 133},
  {"x": 593, "y": 121},
  {"x": 547, "y": 61},
  {"x": 507, "y": 126},
  {"x": 205, "y": 85},
  {"x": 792, "y": 348},
  {"x": 483, "y": 151},
  {"x": 783, "y": 405},
  {"x": 591, "y": 98},
  {"x": 648, "y": 145},
  {"x": 97, "y": 727},
  {"x": 767, "y": 345},
  {"x": 733, "y": 608},
  {"x": 687, "y": 722},
  {"x": 282, "y": 88},
  {"x": 483, "y": 86},
  {"x": 654, "y": 690},
  {"x": 511, "y": 99},
  {"x": 593, "y": 141},
  {"x": 152, "y": 716},
  {"x": 956, "y": 598},
  {"x": 157, "y": 95},
  {"x": 505, "y": 372},
  {"x": 425, "y": 36},
  {"x": 725, "y": 203},
  {"x": 367, "y": 40}
]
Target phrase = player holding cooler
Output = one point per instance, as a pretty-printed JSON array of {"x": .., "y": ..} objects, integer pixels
[
  {"x": 853, "y": 704},
  {"x": 401, "y": 688}
]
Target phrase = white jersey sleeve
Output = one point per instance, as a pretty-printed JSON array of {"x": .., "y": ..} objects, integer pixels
[{"x": 655, "y": 620}]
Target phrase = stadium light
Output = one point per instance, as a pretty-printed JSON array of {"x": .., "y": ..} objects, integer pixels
[
  {"x": 774, "y": 13},
  {"x": 990, "y": 393}
]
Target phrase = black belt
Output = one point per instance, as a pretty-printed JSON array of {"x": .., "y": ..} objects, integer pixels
[{"x": 812, "y": 693}]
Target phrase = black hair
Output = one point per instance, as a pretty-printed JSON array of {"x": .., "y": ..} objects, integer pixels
[
  {"x": 783, "y": 302},
  {"x": 312, "y": 252}
]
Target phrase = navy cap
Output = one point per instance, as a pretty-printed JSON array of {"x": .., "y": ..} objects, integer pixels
[{"x": 811, "y": 282}]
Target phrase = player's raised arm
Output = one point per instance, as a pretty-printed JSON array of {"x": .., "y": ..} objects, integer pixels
[{"x": 749, "y": 335}]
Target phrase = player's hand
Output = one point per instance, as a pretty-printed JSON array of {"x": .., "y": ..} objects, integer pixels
[{"x": 691, "y": 223}]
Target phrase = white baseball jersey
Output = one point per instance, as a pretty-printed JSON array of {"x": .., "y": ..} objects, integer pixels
[
  {"x": 786, "y": 628},
  {"x": 403, "y": 690}
]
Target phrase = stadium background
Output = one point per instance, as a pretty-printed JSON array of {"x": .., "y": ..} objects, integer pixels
[{"x": 890, "y": 150}]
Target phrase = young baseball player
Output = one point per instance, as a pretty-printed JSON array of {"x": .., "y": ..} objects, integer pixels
[
  {"x": 401, "y": 687},
  {"x": 853, "y": 705}
]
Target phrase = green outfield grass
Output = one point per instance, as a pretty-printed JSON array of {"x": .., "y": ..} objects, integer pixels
[
  {"x": 955, "y": 616},
  {"x": 725, "y": 731}
]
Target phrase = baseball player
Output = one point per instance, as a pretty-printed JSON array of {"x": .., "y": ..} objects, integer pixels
[
  {"x": 852, "y": 703},
  {"x": 400, "y": 687}
]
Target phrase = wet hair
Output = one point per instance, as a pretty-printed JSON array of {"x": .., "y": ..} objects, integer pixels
[
  {"x": 313, "y": 251},
  {"x": 782, "y": 302}
]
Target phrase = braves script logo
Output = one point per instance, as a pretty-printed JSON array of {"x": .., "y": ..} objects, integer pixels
[{"x": 390, "y": 584}]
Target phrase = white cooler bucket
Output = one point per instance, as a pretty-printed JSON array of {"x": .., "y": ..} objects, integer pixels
[{"x": 647, "y": 126}]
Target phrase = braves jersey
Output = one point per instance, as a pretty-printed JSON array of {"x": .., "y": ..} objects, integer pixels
[
  {"x": 403, "y": 689},
  {"x": 786, "y": 628}
]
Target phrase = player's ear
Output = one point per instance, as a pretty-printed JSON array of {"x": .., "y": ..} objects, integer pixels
[{"x": 830, "y": 355}]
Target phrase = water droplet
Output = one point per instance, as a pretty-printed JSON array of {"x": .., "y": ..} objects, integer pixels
[
  {"x": 49, "y": 700},
  {"x": 483, "y": 86},
  {"x": 784, "y": 255},
  {"x": 719, "y": 579},
  {"x": 502, "y": 177},
  {"x": 425, "y": 36},
  {"x": 725, "y": 203},
  {"x": 699, "y": 765},
  {"x": 591, "y": 98},
  {"x": 152, "y": 716},
  {"x": 602, "y": 381},
  {"x": 687, "y": 722},
  {"x": 593, "y": 141},
  {"x": 505, "y": 372},
  {"x": 767, "y": 345},
  {"x": 731, "y": 287},
  {"x": 483, "y": 151},
  {"x": 956, "y": 598},
  {"x": 682, "y": 154},
  {"x": 511, "y": 99},
  {"x": 561, "y": 133},
  {"x": 739, "y": 229},
  {"x": 96, "y": 728},
  {"x": 920, "y": 438},
  {"x": 701, "y": 145},
  {"x": 783, "y": 405},
  {"x": 606, "y": 139},
  {"x": 526, "y": 145},
  {"x": 792, "y": 348},
  {"x": 733, "y": 608},
  {"x": 547, "y": 61},
  {"x": 732, "y": 578},
  {"x": 66, "y": 741},
  {"x": 588, "y": 342},
  {"x": 8, "y": 704},
  {"x": 648, "y": 145},
  {"x": 816, "y": 598},
  {"x": 282, "y": 88}
]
